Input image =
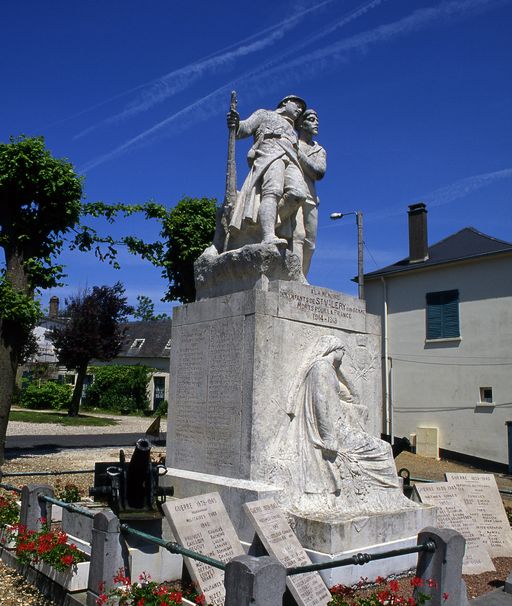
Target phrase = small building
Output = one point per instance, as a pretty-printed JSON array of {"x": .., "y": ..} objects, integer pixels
[
  {"x": 148, "y": 344},
  {"x": 145, "y": 343},
  {"x": 447, "y": 342}
]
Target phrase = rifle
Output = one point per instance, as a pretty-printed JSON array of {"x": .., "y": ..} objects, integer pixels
[{"x": 230, "y": 193}]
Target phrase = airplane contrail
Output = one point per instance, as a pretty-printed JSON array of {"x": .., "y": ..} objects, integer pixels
[
  {"x": 266, "y": 77},
  {"x": 178, "y": 80}
]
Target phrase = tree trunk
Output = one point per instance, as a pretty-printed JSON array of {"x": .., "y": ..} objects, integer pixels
[
  {"x": 8, "y": 366},
  {"x": 74, "y": 405},
  {"x": 12, "y": 338}
]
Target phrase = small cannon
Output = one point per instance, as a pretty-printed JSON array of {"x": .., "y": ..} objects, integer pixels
[{"x": 132, "y": 489}]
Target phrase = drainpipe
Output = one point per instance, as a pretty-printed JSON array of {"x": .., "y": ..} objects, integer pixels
[{"x": 387, "y": 399}]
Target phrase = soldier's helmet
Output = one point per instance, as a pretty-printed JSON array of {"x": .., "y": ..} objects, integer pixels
[{"x": 299, "y": 100}]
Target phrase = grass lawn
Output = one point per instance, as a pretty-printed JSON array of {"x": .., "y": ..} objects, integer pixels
[{"x": 36, "y": 416}]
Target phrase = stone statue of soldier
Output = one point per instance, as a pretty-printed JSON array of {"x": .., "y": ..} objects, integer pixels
[
  {"x": 313, "y": 161},
  {"x": 275, "y": 177}
]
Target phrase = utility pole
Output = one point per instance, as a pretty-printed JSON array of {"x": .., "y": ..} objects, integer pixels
[{"x": 360, "y": 242}]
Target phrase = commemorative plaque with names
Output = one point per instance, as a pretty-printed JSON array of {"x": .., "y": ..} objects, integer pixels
[
  {"x": 320, "y": 306},
  {"x": 202, "y": 524},
  {"x": 205, "y": 413},
  {"x": 481, "y": 496},
  {"x": 275, "y": 533},
  {"x": 452, "y": 513}
]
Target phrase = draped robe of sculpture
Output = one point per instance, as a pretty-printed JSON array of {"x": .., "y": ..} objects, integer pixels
[{"x": 324, "y": 456}]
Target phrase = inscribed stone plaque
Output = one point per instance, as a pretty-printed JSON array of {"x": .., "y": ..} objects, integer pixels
[
  {"x": 206, "y": 410},
  {"x": 202, "y": 524},
  {"x": 275, "y": 533},
  {"x": 320, "y": 306},
  {"x": 452, "y": 513},
  {"x": 481, "y": 496}
]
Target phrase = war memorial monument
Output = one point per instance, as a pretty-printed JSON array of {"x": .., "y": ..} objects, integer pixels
[{"x": 276, "y": 383}]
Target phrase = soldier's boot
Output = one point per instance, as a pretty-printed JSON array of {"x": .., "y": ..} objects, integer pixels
[{"x": 267, "y": 216}]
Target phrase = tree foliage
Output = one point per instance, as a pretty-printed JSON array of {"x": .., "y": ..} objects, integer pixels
[
  {"x": 145, "y": 310},
  {"x": 119, "y": 387},
  {"x": 187, "y": 230},
  {"x": 93, "y": 331},
  {"x": 40, "y": 201},
  {"x": 46, "y": 395}
]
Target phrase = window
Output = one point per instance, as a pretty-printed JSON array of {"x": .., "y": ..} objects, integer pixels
[
  {"x": 486, "y": 395},
  {"x": 443, "y": 314},
  {"x": 159, "y": 391},
  {"x": 137, "y": 344}
]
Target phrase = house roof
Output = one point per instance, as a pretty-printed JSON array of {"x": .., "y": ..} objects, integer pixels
[
  {"x": 468, "y": 243},
  {"x": 146, "y": 339}
]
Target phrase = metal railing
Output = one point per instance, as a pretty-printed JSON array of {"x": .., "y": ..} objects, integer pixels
[
  {"x": 68, "y": 506},
  {"x": 22, "y": 474},
  {"x": 359, "y": 559},
  {"x": 10, "y": 487},
  {"x": 174, "y": 547}
]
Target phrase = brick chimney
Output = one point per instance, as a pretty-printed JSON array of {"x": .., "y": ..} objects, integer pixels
[
  {"x": 54, "y": 308},
  {"x": 418, "y": 241}
]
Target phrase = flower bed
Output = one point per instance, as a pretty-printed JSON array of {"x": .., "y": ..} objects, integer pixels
[
  {"x": 9, "y": 517},
  {"x": 49, "y": 552},
  {"x": 73, "y": 579},
  {"x": 383, "y": 592},
  {"x": 148, "y": 593},
  {"x": 8, "y": 536}
]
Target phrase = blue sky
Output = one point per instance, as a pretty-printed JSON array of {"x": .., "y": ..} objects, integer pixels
[{"x": 414, "y": 99}]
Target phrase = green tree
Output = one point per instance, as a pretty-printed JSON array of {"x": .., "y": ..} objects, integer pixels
[
  {"x": 93, "y": 331},
  {"x": 118, "y": 387},
  {"x": 145, "y": 310},
  {"x": 187, "y": 230},
  {"x": 40, "y": 200}
]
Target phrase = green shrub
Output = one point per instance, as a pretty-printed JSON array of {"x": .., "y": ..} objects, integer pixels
[
  {"x": 46, "y": 395},
  {"x": 121, "y": 388}
]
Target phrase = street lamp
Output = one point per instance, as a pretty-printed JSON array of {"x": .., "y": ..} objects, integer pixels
[{"x": 359, "y": 223}]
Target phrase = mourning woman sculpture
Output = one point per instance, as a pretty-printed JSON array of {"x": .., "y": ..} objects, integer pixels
[{"x": 325, "y": 458}]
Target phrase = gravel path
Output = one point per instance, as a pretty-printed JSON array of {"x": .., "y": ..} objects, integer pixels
[{"x": 123, "y": 425}]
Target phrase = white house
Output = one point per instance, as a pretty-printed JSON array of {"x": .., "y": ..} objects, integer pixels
[{"x": 447, "y": 341}]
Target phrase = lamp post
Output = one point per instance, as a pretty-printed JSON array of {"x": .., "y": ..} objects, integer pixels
[{"x": 359, "y": 223}]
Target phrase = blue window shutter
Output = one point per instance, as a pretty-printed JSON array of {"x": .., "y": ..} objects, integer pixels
[
  {"x": 451, "y": 317},
  {"x": 434, "y": 321},
  {"x": 443, "y": 314}
]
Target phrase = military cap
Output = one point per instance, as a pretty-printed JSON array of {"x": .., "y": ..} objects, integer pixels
[{"x": 299, "y": 100}]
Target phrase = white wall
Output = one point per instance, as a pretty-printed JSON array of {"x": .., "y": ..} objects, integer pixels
[{"x": 437, "y": 384}]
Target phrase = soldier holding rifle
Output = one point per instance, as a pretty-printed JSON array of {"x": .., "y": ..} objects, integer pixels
[{"x": 275, "y": 175}]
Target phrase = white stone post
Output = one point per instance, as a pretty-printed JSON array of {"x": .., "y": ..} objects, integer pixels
[
  {"x": 443, "y": 566},
  {"x": 108, "y": 554},
  {"x": 33, "y": 509},
  {"x": 254, "y": 581}
]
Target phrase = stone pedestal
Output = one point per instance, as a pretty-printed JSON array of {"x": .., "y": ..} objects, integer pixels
[
  {"x": 234, "y": 360},
  {"x": 333, "y": 540}
]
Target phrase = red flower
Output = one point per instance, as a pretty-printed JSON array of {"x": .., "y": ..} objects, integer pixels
[
  {"x": 432, "y": 583},
  {"x": 140, "y": 602},
  {"x": 379, "y": 580},
  {"x": 67, "y": 560},
  {"x": 200, "y": 599},
  {"x": 411, "y": 602},
  {"x": 393, "y": 585},
  {"x": 446, "y": 595},
  {"x": 417, "y": 582}
]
